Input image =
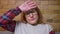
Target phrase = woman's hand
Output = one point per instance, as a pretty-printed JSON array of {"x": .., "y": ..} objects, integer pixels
[{"x": 27, "y": 6}]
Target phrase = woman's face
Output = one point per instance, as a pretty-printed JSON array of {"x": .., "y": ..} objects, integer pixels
[{"x": 31, "y": 17}]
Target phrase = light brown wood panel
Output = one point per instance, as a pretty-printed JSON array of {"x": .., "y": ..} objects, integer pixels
[{"x": 50, "y": 11}]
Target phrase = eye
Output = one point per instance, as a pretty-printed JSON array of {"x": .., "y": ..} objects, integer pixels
[{"x": 28, "y": 12}]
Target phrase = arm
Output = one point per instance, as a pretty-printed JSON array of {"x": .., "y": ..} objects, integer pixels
[{"x": 6, "y": 20}]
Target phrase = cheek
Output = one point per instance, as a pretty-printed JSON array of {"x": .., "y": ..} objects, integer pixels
[
  {"x": 27, "y": 18},
  {"x": 35, "y": 15}
]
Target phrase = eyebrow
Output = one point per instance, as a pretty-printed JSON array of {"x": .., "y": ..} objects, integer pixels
[{"x": 30, "y": 11}]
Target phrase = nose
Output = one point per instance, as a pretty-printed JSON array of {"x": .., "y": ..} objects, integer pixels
[{"x": 31, "y": 15}]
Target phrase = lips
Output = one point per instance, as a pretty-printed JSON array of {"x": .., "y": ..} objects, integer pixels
[{"x": 32, "y": 19}]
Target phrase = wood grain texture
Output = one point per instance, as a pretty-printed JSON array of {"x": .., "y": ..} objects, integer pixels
[{"x": 50, "y": 10}]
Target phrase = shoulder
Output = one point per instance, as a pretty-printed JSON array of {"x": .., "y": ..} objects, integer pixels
[
  {"x": 45, "y": 24},
  {"x": 19, "y": 22},
  {"x": 49, "y": 27}
]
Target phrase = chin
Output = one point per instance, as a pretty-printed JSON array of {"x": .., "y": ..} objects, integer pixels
[{"x": 33, "y": 23}]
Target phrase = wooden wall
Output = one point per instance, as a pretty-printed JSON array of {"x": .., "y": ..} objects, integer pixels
[{"x": 50, "y": 10}]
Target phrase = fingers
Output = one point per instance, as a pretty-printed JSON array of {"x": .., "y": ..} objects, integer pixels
[
  {"x": 28, "y": 5},
  {"x": 33, "y": 7},
  {"x": 32, "y": 4},
  {"x": 27, "y": 1}
]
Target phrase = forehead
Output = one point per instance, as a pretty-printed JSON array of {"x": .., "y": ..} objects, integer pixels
[{"x": 30, "y": 11}]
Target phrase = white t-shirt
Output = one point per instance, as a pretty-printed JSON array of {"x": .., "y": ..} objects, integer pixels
[{"x": 22, "y": 28}]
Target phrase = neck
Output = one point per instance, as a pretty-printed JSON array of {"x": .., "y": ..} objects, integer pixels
[{"x": 33, "y": 24}]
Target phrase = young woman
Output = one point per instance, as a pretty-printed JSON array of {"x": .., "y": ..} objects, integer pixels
[{"x": 31, "y": 23}]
